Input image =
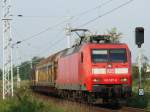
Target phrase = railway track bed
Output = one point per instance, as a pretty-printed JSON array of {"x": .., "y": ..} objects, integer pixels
[{"x": 70, "y": 106}]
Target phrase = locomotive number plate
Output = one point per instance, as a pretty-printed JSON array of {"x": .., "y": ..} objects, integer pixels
[
  {"x": 110, "y": 80},
  {"x": 110, "y": 71}
]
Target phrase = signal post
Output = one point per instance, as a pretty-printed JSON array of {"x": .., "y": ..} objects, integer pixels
[{"x": 139, "y": 40}]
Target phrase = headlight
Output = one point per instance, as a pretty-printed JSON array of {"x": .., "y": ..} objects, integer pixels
[
  {"x": 121, "y": 70},
  {"x": 98, "y": 70},
  {"x": 96, "y": 80},
  {"x": 123, "y": 79}
]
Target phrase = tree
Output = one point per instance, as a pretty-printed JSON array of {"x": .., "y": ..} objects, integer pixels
[
  {"x": 1, "y": 74},
  {"x": 145, "y": 65},
  {"x": 145, "y": 62},
  {"x": 135, "y": 72},
  {"x": 25, "y": 68},
  {"x": 114, "y": 35},
  {"x": 36, "y": 60}
]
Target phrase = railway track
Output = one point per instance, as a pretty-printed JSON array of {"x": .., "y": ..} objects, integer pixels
[
  {"x": 131, "y": 109},
  {"x": 70, "y": 106}
]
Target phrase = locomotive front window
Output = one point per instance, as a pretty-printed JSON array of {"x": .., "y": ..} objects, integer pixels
[
  {"x": 117, "y": 55},
  {"x": 111, "y": 55},
  {"x": 100, "y": 55}
]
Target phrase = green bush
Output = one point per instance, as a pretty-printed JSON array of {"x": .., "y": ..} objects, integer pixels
[
  {"x": 26, "y": 105},
  {"x": 140, "y": 101}
]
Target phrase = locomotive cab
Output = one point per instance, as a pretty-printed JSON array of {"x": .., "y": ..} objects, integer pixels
[{"x": 106, "y": 69}]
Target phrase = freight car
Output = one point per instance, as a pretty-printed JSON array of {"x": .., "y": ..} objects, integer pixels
[{"x": 89, "y": 71}]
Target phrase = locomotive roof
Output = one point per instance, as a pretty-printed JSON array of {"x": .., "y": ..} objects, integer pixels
[
  {"x": 55, "y": 56},
  {"x": 49, "y": 58},
  {"x": 107, "y": 44}
]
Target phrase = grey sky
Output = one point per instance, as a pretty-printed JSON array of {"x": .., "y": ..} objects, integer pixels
[{"x": 40, "y": 14}]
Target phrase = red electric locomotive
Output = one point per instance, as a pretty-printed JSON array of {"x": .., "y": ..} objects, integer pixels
[{"x": 95, "y": 69}]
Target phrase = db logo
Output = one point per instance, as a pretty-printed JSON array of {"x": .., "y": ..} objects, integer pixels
[{"x": 110, "y": 71}]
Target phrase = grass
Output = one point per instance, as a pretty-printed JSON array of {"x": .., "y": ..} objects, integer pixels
[
  {"x": 24, "y": 101},
  {"x": 27, "y": 104}
]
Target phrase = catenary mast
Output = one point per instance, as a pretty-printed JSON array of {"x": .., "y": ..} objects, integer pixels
[{"x": 7, "y": 50}]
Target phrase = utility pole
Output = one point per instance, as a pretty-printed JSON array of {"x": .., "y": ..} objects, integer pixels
[
  {"x": 18, "y": 77},
  {"x": 31, "y": 64},
  {"x": 68, "y": 34},
  {"x": 68, "y": 31},
  {"x": 18, "y": 68},
  {"x": 7, "y": 50},
  {"x": 140, "y": 67}
]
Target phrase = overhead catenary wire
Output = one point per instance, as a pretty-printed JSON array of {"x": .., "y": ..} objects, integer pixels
[
  {"x": 51, "y": 42},
  {"x": 50, "y": 28},
  {"x": 18, "y": 42},
  {"x": 17, "y": 47},
  {"x": 52, "y": 45},
  {"x": 99, "y": 6},
  {"x": 101, "y": 15},
  {"x": 106, "y": 13},
  {"x": 38, "y": 16},
  {"x": 43, "y": 31},
  {"x": 79, "y": 14}
]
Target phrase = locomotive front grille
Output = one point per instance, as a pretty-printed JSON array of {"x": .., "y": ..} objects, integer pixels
[{"x": 112, "y": 90}]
